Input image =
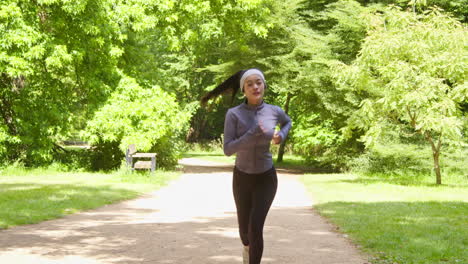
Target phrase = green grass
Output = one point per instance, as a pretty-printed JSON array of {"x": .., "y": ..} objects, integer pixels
[
  {"x": 293, "y": 162},
  {"x": 397, "y": 219},
  {"x": 396, "y": 222},
  {"x": 32, "y": 196}
]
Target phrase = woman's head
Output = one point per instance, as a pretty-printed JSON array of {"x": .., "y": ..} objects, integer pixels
[
  {"x": 241, "y": 79},
  {"x": 252, "y": 84},
  {"x": 248, "y": 73}
]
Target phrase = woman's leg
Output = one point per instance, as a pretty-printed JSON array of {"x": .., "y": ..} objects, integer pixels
[
  {"x": 242, "y": 190},
  {"x": 263, "y": 194}
]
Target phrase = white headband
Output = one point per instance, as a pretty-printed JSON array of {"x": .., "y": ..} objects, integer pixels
[{"x": 249, "y": 73}]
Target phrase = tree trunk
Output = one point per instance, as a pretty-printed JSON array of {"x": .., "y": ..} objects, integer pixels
[
  {"x": 283, "y": 144},
  {"x": 197, "y": 125},
  {"x": 435, "y": 156},
  {"x": 437, "y": 168},
  {"x": 435, "y": 149},
  {"x": 6, "y": 108}
]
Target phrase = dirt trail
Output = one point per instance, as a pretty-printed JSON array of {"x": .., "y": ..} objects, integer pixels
[{"x": 192, "y": 220}]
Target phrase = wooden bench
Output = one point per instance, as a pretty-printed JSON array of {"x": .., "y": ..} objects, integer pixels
[{"x": 140, "y": 164}]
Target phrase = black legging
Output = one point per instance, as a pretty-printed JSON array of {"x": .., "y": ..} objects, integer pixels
[{"x": 253, "y": 194}]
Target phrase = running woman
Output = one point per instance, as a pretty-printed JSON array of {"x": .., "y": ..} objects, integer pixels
[{"x": 249, "y": 129}]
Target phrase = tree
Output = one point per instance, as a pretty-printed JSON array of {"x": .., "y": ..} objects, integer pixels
[
  {"x": 203, "y": 33},
  {"x": 60, "y": 59},
  {"x": 57, "y": 61},
  {"x": 413, "y": 69},
  {"x": 148, "y": 117},
  {"x": 305, "y": 39}
]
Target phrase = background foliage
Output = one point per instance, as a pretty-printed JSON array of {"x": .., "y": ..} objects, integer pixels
[
  {"x": 149, "y": 118},
  {"x": 132, "y": 71}
]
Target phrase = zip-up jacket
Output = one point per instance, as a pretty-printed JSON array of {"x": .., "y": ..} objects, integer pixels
[{"x": 244, "y": 136}]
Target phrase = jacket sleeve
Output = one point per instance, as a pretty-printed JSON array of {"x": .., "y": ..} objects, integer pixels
[
  {"x": 233, "y": 144},
  {"x": 285, "y": 124}
]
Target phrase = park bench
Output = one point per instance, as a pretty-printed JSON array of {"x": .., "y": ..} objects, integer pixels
[{"x": 132, "y": 154}]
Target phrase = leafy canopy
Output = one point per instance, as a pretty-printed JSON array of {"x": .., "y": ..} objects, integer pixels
[
  {"x": 148, "y": 117},
  {"x": 413, "y": 68}
]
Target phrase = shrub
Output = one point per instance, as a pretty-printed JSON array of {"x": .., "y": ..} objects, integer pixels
[
  {"x": 321, "y": 144},
  {"x": 393, "y": 159},
  {"x": 75, "y": 159},
  {"x": 409, "y": 161}
]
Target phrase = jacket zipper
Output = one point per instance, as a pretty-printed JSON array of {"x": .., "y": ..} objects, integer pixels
[{"x": 255, "y": 145}]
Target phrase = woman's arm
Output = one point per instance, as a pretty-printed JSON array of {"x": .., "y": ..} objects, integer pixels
[
  {"x": 285, "y": 124},
  {"x": 233, "y": 144}
]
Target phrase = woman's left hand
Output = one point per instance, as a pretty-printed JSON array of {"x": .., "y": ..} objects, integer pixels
[{"x": 276, "y": 138}]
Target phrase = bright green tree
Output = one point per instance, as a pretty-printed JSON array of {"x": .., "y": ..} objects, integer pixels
[
  {"x": 60, "y": 60},
  {"x": 413, "y": 70},
  {"x": 57, "y": 61},
  {"x": 148, "y": 117}
]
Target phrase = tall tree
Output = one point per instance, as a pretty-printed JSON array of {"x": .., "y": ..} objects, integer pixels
[
  {"x": 315, "y": 37},
  {"x": 60, "y": 60},
  {"x": 57, "y": 60},
  {"x": 413, "y": 67}
]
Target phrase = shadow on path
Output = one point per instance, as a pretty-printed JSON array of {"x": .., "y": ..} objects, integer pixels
[
  {"x": 106, "y": 237},
  {"x": 192, "y": 220}
]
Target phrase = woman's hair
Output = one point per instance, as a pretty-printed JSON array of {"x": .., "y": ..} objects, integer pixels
[{"x": 231, "y": 84}]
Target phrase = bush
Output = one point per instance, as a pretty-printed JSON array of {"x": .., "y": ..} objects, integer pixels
[
  {"x": 410, "y": 161},
  {"x": 454, "y": 161},
  {"x": 321, "y": 144},
  {"x": 394, "y": 159},
  {"x": 75, "y": 159}
]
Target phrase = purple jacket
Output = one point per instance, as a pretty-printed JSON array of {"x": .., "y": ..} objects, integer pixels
[{"x": 243, "y": 136}]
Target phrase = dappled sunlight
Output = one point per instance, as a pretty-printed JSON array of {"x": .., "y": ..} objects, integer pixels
[
  {"x": 319, "y": 233},
  {"x": 291, "y": 193},
  {"x": 19, "y": 256},
  {"x": 226, "y": 259},
  {"x": 18, "y": 187},
  {"x": 432, "y": 228},
  {"x": 191, "y": 220},
  {"x": 52, "y": 201},
  {"x": 220, "y": 231}
]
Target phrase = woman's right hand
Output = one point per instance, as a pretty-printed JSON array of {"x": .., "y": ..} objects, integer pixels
[{"x": 276, "y": 138}]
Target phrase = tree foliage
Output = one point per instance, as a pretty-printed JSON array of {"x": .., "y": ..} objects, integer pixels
[
  {"x": 60, "y": 60},
  {"x": 57, "y": 60},
  {"x": 63, "y": 65},
  {"x": 313, "y": 36},
  {"x": 413, "y": 69},
  {"x": 148, "y": 117}
]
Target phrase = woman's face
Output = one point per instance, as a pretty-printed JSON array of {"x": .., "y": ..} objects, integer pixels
[{"x": 254, "y": 89}]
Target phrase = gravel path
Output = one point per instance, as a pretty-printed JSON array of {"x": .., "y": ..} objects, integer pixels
[{"x": 192, "y": 220}]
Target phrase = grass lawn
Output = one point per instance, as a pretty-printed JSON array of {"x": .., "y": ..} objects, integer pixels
[
  {"x": 403, "y": 220},
  {"x": 394, "y": 222},
  {"x": 32, "y": 196}
]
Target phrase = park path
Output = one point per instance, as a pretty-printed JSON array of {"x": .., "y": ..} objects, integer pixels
[{"x": 192, "y": 220}]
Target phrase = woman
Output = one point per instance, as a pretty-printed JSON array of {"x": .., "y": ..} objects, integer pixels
[{"x": 248, "y": 130}]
